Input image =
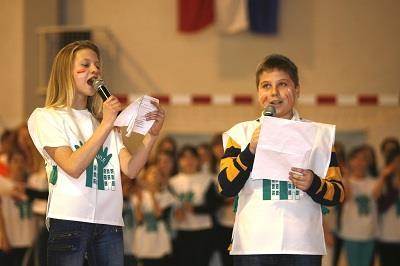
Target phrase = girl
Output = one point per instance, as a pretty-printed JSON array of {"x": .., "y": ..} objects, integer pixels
[
  {"x": 84, "y": 156},
  {"x": 152, "y": 242},
  {"x": 19, "y": 224},
  {"x": 197, "y": 202},
  {"x": 359, "y": 213}
]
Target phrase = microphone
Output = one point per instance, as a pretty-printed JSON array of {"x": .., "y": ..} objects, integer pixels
[
  {"x": 269, "y": 111},
  {"x": 100, "y": 86}
]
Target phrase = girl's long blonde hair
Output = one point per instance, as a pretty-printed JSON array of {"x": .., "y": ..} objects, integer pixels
[{"x": 61, "y": 86}]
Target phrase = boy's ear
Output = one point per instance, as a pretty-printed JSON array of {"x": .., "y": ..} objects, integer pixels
[{"x": 297, "y": 91}]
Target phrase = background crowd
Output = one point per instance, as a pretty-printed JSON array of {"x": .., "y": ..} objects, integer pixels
[{"x": 174, "y": 214}]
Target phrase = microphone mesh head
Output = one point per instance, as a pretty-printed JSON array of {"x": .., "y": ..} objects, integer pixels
[
  {"x": 269, "y": 111},
  {"x": 97, "y": 83}
]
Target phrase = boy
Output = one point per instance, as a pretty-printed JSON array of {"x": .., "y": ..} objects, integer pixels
[{"x": 275, "y": 232}]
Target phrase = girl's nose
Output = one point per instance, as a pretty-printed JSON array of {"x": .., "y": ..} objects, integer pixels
[{"x": 94, "y": 70}]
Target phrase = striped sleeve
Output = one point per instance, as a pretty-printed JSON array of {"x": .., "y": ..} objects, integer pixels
[
  {"x": 235, "y": 168},
  {"x": 328, "y": 191}
]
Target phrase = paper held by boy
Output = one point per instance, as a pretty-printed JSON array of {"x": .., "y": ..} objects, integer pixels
[
  {"x": 286, "y": 143},
  {"x": 133, "y": 116}
]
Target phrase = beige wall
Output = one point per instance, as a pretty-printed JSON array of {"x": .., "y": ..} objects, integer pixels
[
  {"x": 11, "y": 63},
  {"x": 341, "y": 47}
]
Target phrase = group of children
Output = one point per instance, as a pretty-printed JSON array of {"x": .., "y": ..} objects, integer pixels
[
  {"x": 23, "y": 199},
  {"x": 173, "y": 207},
  {"x": 368, "y": 223},
  {"x": 173, "y": 212}
]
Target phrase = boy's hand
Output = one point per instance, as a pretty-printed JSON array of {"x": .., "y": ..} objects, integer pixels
[
  {"x": 254, "y": 140},
  {"x": 301, "y": 178}
]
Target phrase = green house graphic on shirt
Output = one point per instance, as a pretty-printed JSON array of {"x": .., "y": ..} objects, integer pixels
[
  {"x": 100, "y": 173},
  {"x": 279, "y": 190}
]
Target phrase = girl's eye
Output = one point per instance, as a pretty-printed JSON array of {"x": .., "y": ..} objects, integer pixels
[{"x": 85, "y": 65}]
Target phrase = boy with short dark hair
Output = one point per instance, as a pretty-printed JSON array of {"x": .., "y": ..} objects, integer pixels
[{"x": 269, "y": 231}]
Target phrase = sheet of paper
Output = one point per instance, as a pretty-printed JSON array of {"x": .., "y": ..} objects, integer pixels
[
  {"x": 285, "y": 143},
  {"x": 133, "y": 116},
  {"x": 141, "y": 125}
]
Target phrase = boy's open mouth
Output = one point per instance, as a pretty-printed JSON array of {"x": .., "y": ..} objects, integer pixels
[{"x": 275, "y": 102}]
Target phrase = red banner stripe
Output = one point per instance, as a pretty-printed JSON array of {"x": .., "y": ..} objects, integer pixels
[
  {"x": 368, "y": 99},
  {"x": 326, "y": 99},
  {"x": 201, "y": 99},
  {"x": 242, "y": 99}
]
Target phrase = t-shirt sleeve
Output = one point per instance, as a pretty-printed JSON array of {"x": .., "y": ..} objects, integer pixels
[
  {"x": 119, "y": 141},
  {"x": 47, "y": 130}
]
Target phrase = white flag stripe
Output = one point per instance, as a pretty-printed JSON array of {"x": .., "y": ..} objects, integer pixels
[
  {"x": 181, "y": 99},
  {"x": 347, "y": 100}
]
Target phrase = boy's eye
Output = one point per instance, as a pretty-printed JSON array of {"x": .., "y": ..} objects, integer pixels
[
  {"x": 282, "y": 84},
  {"x": 266, "y": 86}
]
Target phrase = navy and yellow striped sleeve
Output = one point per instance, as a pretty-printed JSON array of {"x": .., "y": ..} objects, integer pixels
[
  {"x": 235, "y": 168},
  {"x": 328, "y": 191}
]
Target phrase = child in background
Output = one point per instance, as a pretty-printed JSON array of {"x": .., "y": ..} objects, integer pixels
[
  {"x": 151, "y": 241},
  {"x": 225, "y": 214},
  {"x": 8, "y": 141},
  {"x": 389, "y": 210},
  {"x": 205, "y": 156},
  {"x": 359, "y": 212},
  {"x": 166, "y": 165},
  {"x": 129, "y": 187},
  {"x": 388, "y": 144},
  {"x": 20, "y": 227},
  {"x": 192, "y": 217}
]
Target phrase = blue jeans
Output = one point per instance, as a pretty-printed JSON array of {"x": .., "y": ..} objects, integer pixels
[
  {"x": 277, "y": 259},
  {"x": 70, "y": 241}
]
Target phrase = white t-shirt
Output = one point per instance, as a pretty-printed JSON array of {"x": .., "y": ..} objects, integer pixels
[
  {"x": 274, "y": 217},
  {"x": 94, "y": 197},
  {"x": 359, "y": 213},
  {"x": 192, "y": 188},
  {"x": 151, "y": 238},
  {"x": 38, "y": 181},
  {"x": 19, "y": 224}
]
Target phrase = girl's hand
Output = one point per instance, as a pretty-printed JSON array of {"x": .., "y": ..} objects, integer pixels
[
  {"x": 254, "y": 140},
  {"x": 158, "y": 116},
  {"x": 111, "y": 108},
  {"x": 301, "y": 178}
]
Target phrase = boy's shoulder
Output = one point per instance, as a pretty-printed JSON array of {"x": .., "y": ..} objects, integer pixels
[{"x": 245, "y": 125}]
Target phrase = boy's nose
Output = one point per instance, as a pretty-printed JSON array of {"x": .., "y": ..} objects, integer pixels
[{"x": 274, "y": 91}]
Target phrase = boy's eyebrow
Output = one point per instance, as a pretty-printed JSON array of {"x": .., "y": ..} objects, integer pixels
[{"x": 265, "y": 81}]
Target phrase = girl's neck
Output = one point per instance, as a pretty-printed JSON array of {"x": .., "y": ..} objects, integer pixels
[{"x": 80, "y": 102}]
